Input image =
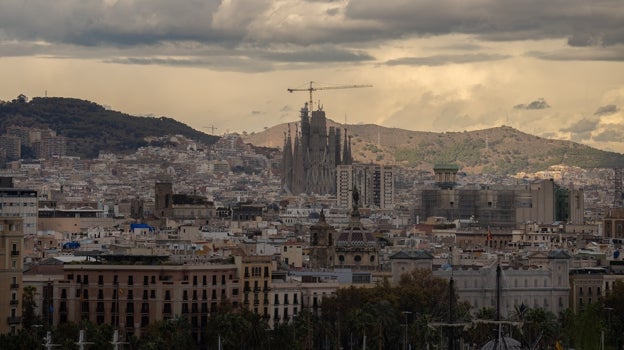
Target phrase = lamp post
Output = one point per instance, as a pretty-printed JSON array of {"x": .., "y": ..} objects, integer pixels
[{"x": 405, "y": 313}]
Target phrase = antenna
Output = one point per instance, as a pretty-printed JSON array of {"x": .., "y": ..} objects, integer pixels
[{"x": 212, "y": 128}]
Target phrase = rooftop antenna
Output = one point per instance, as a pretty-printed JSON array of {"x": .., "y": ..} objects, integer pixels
[{"x": 212, "y": 128}]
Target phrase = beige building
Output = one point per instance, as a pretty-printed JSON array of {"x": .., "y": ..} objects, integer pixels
[
  {"x": 589, "y": 285},
  {"x": 613, "y": 223},
  {"x": 255, "y": 280},
  {"x": 130, "y": 296},
  {"x": 541, "y": 283},
  {"x": 73, "y": 221},
  {"x": 11, "y": 266},
  {"x": 22, "y": 203}
]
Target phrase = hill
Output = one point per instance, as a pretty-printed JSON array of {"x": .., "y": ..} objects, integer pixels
[
  {"x": 91, "y": 128},
  {"x": 500, "y": 150}
]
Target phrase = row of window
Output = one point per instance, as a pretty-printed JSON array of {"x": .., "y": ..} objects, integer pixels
[
  {"x": 129, "y": 294},
  {"x": 147, "y": 280}
]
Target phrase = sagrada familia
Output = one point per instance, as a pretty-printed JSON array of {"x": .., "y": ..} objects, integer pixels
[{"x": 309, "y": 162}]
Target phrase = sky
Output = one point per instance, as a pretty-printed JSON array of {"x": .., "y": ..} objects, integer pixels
[{"x": 551, "y": 68}]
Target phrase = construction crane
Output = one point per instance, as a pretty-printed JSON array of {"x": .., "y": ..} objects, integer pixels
[{"x": 313, "y": 88}]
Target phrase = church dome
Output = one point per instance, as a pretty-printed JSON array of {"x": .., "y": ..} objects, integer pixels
[{"x": 356, "y": 235}]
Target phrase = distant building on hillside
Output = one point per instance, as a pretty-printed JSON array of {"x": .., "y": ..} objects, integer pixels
[{"x": 182, "y": 207}]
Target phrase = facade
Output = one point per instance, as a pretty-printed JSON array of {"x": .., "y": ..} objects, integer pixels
[
  {"x": 309, "y": 161},
  {"x": 130, "y": 297},
  {"x": 543, "y": 283},
  {"x": 541, "y": 202},
  {"x": 22, "y": 203},
  {"x": 375, "y": 184},
  {"x": 322, "y": 249},
  {"x": 406, "y": 261},
  {"x": 11, "y": 266},
  {"x": 72, "y": 221},
  {"x": 590, "y": 284},
  {"x": 11, "y": 145},
  {"x": 285, "y": 302},
  {"x": 185, "y": 208},
  {"x": 613, "y": 223},
  {"x": 255, "y": 280}
]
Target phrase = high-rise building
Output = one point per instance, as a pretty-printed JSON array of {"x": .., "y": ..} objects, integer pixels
[
  {"x": 309, "y": 162},
  {"x": 12, "y": 147},
  {"x": 22, "y": 203},
  {"x": 375, "y": 184},
  {"x": 11, "y": 266},
  {"x": 503, "y": 207}
]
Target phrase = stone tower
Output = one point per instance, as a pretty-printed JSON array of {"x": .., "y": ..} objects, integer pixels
[
  {"x": 309, "y": 163},
  {"x": 322, "y": 244}
]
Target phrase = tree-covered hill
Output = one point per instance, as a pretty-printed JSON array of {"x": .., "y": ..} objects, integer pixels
[{"x": 91, "y": 128}]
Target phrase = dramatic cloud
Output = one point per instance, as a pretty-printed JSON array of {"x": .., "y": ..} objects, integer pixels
[
  {"x": 266, "y": 23},
  {"x": 582, "y": 126},
  {"x": 606, "y": 110},
  {"x": 444, "y": 59},
  {"x": 540, "y": 103},
  {"x": 615, "y": 133},
  {"x": 436, "y": 65}
]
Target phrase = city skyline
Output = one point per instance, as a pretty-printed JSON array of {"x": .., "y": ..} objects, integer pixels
[{"x": 553, "y": 69}]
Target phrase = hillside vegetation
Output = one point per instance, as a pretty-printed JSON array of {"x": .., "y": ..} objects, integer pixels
[
  {"x": 89, "y": 127},
  {"x": 500, "y": 150}
]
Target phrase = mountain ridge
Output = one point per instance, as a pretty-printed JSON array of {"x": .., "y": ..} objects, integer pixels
[
  {"x": 90, "y": 129},
  {"x": 496, "y": 150}
]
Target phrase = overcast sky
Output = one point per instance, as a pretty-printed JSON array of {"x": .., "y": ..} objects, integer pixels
[{"x": 552, "y": 68}]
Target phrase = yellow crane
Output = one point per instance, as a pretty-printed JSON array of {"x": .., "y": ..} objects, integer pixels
[{"x": 314, "y": 88}]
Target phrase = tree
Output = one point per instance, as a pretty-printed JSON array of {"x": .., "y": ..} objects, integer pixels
[
  {"x": 614, "y": 313},
  {"x": 29, "y": 305}
]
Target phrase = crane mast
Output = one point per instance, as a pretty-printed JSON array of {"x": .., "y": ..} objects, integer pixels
[{"x": 312, "y": 88}]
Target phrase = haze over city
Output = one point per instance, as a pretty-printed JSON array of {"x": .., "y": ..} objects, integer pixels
[{"x": 550, "y": 68}]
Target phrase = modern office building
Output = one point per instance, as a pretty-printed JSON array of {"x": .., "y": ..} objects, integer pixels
[
  {"x": 503, "y": 207},
  {"x": 375, "y": 184},
  {"x": 20, "y": 203}
]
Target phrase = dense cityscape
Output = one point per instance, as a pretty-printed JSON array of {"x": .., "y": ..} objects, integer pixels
[{"x": 176, "y": 245}]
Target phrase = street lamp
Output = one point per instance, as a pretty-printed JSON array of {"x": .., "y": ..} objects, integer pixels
[{"x": 405, "y": 313}]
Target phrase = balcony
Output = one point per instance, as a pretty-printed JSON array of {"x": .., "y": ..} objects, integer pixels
[
  {"x": 14, "y": 252},
  {"x": 14, "y": 286},
  {"x": 14, "y": 302},
  {"x": 14, "y": 319}
]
